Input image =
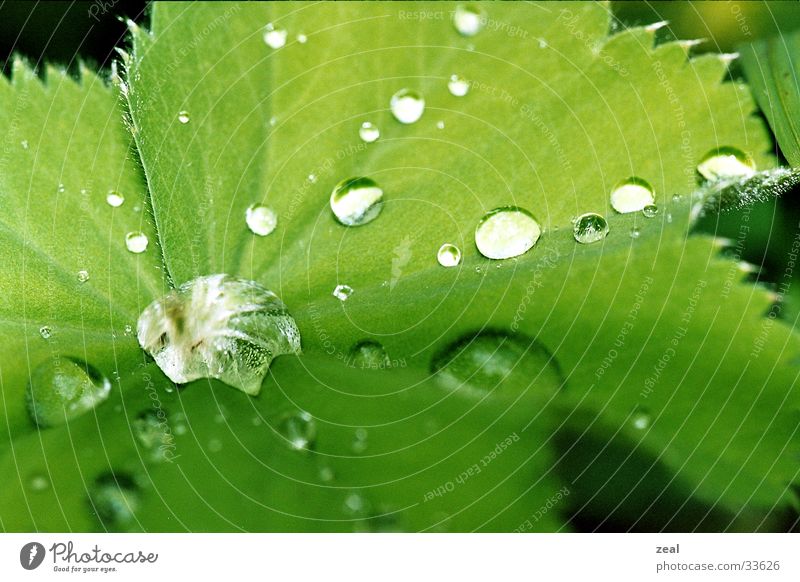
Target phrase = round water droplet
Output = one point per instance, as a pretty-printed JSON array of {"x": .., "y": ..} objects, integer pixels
[
  {"x": 356, "y": 201},
  {"x": 342, "y": 292},
  {"x": 128, "y": 330},
  {"x": 151, "y": 429},
  {"x": 440, "y": 125},
  {"x": 355, "y": 503},
  {"x": 39, "y": 483},
  {"x": 449, "y": 255},
  {"x": 312, "y": 178},
  {"x": 635, "y": 232},
  {"x": 136, "y": 242},
  {"x": 368, "y": 132},
  {"x": 650, "y": 211},
  {"x": 302, "y": 38},
  {"x": 114, "y": 199},
  {"x": 369, "y": 354},
  {"x": 83, "y": 276},
  {"x": 360, "y": 441},
  {"x": 326, "y": 474},
  {"x": 492, "y": 361},
  {"x": 214, "y": 446},
  {"x": 632, "y": 195},
  {"x": 115, "y": 498},
  {"x": 589, "y": 228},
  {"x": 506, "y": 232},
  {"x": 469, "y": 19},
  {"x": 221, "y": 327},
  {"x": 274, "y": 37},
  {"x": 407, "y": 106},
  {"x": 24, "y": 144},
  {"x": 183, "y": 117},
  {"x": 261, "y": 220},
  {"x": 298, "y": 430},
  {"x": 458, "y": 85},
  {"x": 61, "y": 389},
  {"x": 46, "y": 332},
  {"x": 726, "y": 162},
  {"x": 640, "y": 420}
]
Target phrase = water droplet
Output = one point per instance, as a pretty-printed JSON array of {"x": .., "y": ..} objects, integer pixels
[
  {"x": 449, "y": 255},
  {"x": 369, "y": 354},
  {"x": 114, "y": 199},
  {"x": 312, "y": 178},
  {"x": 360, "y": 441},
  {"x": 356, "y": 201},
  {"x": 506, "y": 232},
  {"x": 61, "y": 389},
  {"x": 640, "y": 420},
  {"x": 726, "y": 162},
  {"x": 274, "y": 37},
  {"x": 632, "y": 195},
  {"x": 440, "y": 125},
  {"x": 635, "y": 232},
  {"x": 24, "y": 144},
  {"x": 39, "y": 483},
  {"x": 669, "y": 217},
  {"x": 493, "y": 361},
  {"x": 136, "y": 242},
  {"x": 183, "y": 117},
  {"x": 590, "y": 228},
  {"x": 61, "y": 188},
  {"x": 302, "y": 38},
  {"x": 368, "y": 132},
  {"x": 218, "y": 326},
  {"x": 261, "y": 220},
  {"x": 342, "y": 292},
  {"x": 299, "y": 430},
  {"x": 83, "y": 276},
  {"x": 650, "y": 211},
  {"x": 214, "y": 446},
  {"x": 407, "y": 106},
  {"x": 128, "y": 330},
  {"x": 458, "y": 85},
  {"x": 115, "y": 499},
  {"x": 151, "y": 429},
  {"x": 46, "y": 332},
  {"x": 469, "y": 19},
  {"x": 354, "y": 503},
  {"x": 326, "y": 474}
]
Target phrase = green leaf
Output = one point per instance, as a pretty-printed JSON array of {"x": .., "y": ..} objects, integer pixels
[
  {"x": 558, "y": 113},
  {"x": 772, "y": 66}
]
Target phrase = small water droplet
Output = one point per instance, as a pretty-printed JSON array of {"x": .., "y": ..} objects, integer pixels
[
  {"x": 356, "y": 201},
  {"x": 136, "y": 242},
  {"x": 726, "y": 162},
  {"x": 218, "y": 326},
  {"x": 261, "y": 220},
  {"x": 632, "y": 195},
  {"x": 506, "y": 232},
  {"x": 83, "y": 276},
  {"x": 298, "y": 430},
  {"x": 114, "y": 199},
  {"x": 360, "y": 441},
  {"x": 326, "y": 474},
  {"x": 183, "y": 117},
  {"x": 669, "y": 217},
  {"x": 635, "y": 232},
  {"x": 312, "y": 178},
  {"x": 458, "y": 85},
  {"x": 354, "y": 503},
  {"x": 368, "y": 132},
  {"x": 128, "y": 330},
  {"x": 640, "y": 420},
  {"x": 24, "y": 144},
  {"x": 449, "y": 255},
  {"x": 61, "y": 188},
  {"x": 214, "y": 446},
  {"x": 342, "y": 292},
  {"x": 589, "y": 228},
  {"x": 369, "y": 354},
  {"x": 115, "y": 498},
  {"x": 61, "y": 389},
  {"x": 152, "y": 430},
  {"x": 274, "y": 37},
  {"x": 273, "y": 121},
  {"x": 39, "y": 483},
  {"x": 407, "y": 106},
  {"x": 650, "y": 211},
  {"x": 469, "y": 19},
  {"x": 440, "y": 125},
  {"x": 46, "y": 332},
  {"x": 302, "y": 38}
]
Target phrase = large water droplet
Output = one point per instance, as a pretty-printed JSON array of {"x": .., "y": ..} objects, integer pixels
[
  {"x": 274, "y": 37},
  {"x": 183, "y": 117},
  {"x": 61, "y": 389},
  {"x": 492, "y": 361},
  {"x": 506, "y": 232},
  {"x": 115, "y": 498},
  {"x": 299, "y": 430},
  {"x": 458, "y": 85},
  {"x": 449, "y": 255},
  {"x": 407, "y": 106},
  {"x": 369, "y": 354},
  {"x": 342, "y": 292},
  {"x": 356, "y": 201},
  {"x": 590, "y": 228},
  {"x": 136, "y": 242},
  {"x": 369, "y": 132},
  {"x": 261, "y": 220},
  {"x": 632, "y": 195},
  {"x": 726, "y": 162},
  {"x": 221, "y": 327},
  {"x": 115, "y": 199},
  {"x": 469, "y": 19}
]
